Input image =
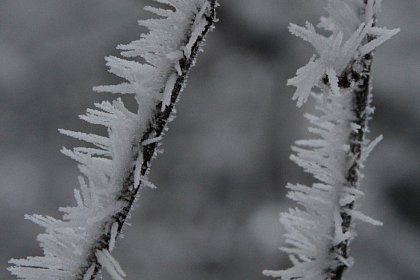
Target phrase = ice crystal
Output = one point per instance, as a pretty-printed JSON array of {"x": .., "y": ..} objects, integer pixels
[{"x": 336, "y": 51}]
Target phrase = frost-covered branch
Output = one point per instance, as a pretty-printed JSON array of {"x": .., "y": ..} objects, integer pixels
[
  {"x": 319, "y": 232},
  {"x": 115, "y": 166}
]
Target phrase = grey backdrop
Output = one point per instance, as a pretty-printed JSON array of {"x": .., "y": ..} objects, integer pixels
[{"x": 221, "y": 179}]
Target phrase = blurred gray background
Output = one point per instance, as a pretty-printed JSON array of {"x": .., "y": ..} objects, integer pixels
[{"x": 221, "y": 179}]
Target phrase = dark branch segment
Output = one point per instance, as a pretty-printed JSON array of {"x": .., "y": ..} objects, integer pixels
[
  {"x": 362, "y": 110},
  {"x": 147, "y": 152}
]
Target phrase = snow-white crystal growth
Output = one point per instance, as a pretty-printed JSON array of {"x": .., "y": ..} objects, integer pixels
[
  {"x": 315, "y": 227},
  {"x": 320, "y": 227},
  {"x": 70, "y": 244},
  {"x": 336, "y": 51}
]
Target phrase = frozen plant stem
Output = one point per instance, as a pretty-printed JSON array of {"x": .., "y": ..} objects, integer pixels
[
  {"x": 78, "y": 246},
  {"x": 362, "y": 111},
  {"x": 319, "y": 234}
]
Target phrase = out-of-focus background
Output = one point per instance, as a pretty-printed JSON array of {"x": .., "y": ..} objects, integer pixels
[{"x": 221, "y": 179}]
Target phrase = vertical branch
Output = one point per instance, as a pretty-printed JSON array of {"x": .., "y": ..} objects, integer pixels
[
  {"x": 320, "y": 231},
  {"x": 362, "y": 111}
]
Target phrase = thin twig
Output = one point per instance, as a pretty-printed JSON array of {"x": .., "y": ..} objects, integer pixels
[{"x": 362, "y": 97}]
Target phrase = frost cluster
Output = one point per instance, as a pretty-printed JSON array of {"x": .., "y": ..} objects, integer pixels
[
  {"x": 68, "y": 242},
  {"x": 315, "y": 229},
  {"x": 346, "y": 43}
]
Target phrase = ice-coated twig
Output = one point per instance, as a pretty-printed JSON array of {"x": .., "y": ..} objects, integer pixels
[
  {"x": 115, "y": 168},
  {"x": 320, "y": 230}
]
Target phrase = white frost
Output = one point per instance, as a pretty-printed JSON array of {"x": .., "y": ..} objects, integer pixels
[
  {"x": 110, "y": 264},
  {"x": 113, "y": 237},
  {"x": 336, "y": 51},
  {"x": 104, "y": 164},
  {"x": 167, "y": 93},
  {"x": 315, "y": 227}
]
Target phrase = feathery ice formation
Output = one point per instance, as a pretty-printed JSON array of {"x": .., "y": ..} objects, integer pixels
[
  {"x": 319, "y": 231},
  {"x": 115, "y": 166}
]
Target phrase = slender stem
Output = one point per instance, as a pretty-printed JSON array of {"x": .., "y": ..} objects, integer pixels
[
  {"x": 362, "y": 113},
  {"x": 156, "y": 126}
]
